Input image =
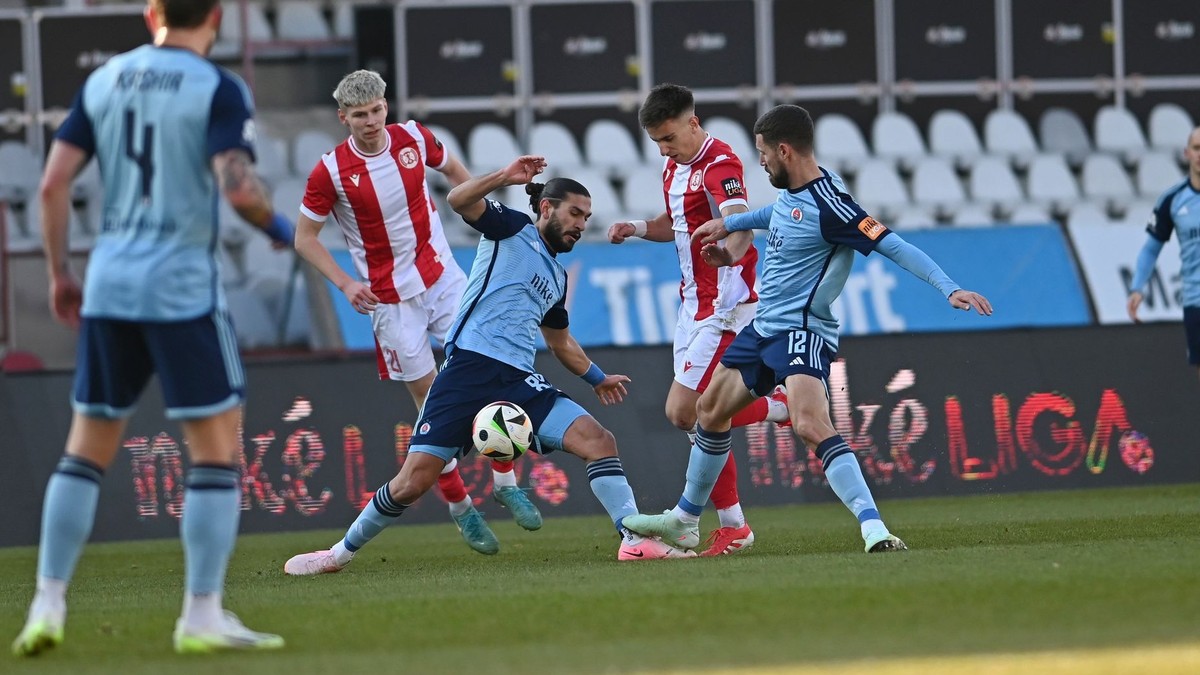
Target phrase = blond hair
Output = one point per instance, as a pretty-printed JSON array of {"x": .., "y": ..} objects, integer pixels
[{"x": 359, "y": 88}]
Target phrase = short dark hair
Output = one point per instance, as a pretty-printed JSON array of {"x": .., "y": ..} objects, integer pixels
[
  {"x": 555, "y": 188},
  {"x": 665, "y": 102},
  {"x": 184, "y": 13},
  {"x": 789, "y": 124}
]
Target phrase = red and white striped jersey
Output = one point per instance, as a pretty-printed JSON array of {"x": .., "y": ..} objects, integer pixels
[
  {"x": 695, "y": 191},
  {"x": 383, "y": 206}
]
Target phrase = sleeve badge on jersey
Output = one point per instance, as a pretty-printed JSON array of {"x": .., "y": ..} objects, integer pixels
[
  {"x": 733, "y": 187},
  {"x": 872, "y": 229}
]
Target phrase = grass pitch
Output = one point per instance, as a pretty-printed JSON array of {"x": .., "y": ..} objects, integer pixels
[{"x": 1103, "y": 581}]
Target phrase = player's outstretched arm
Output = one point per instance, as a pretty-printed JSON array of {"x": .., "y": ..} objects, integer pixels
[
  {"x": 609, "y": 389},
  {"x": 656, "y": 229},
  {"x": 455, "y": 172},
  {"x": 309, "y": 247},
  {"x": 240, "y": 184},
  {"x": 923, "y": 267},
  {"x": 64, "y": 162},
  {"x": 467, "y": 199}
]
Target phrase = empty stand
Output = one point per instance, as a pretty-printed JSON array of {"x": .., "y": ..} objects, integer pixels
[
  {"x": 608, "y": 145},
  {"x": 952, "y": 136},
  {"x": 839, "y": 143},
  {"x": 1063, "y": 132},
  {"x": 1007, "y": 134}
]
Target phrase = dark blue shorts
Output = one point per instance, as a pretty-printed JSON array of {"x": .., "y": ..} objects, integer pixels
[
  {"x": 197, "y": 362},
  {"x": 467, "y": 382},
  {"x": 767, "y": 361},
  {"x": 1191, "y": 327}
]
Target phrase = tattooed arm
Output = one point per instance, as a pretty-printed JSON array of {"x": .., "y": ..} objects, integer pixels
[{"x": 245, "y": 191}]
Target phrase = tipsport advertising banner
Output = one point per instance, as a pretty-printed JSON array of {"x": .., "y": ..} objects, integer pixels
[
  {"x": 928, "y": 415},
  {"x": 629, "y": 294}
]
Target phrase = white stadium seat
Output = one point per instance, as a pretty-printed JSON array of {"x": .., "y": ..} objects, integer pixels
[
  {"x": 896, "y": 137},
  {"x": 1105, "y": 180},
  {"x": 913, "y": 218},
  {"x": 1050, "y": 182},
  {"x": 973, "y": 215},
  {"x": 734, "y": 134},
  {"x": 229, "y": 40},
  {"x": 879, "y": 189},
  {"x": 1170, "y": 125},
  {"x": 936, "y": 186},
  {"x": 1156, "y": 172},
  {"x": 951, "y": 135},
  {"x": 20, "y": 170},
  {"x": 1007, "y": 134},
  {"x": 1063, "y": 132},
  {"x": 643, "y": 192},
  {"x": 839, "y": 143},
  {"x": 1118, "y": 132},
  {"x": 1030, "y": 214},
  {"x": 307, "y": 148},
  {"x": 610, "y": 147},
  {"x": 299, "y": 20},
  {"x": 556, "y": 143},
  {"x": 993, "y": 182},
  {"x": 490, "y": 147}
]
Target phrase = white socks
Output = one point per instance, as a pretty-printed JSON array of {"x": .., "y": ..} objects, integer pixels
[{"x": 202, "y": 610}]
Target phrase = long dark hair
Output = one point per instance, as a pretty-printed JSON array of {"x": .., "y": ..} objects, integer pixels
[{"x": 555, "y": 188}]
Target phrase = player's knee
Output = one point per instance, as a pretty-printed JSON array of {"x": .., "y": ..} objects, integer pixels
[
  {"x": 709, "y": 412},
  {"x": 684, "y": 420},
  {"x": 812, "y": 429},
  {"x": 592, "y": 442},
  {"x": 406, "y": 488}
]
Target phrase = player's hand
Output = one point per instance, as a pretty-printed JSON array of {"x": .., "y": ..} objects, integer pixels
[
  {"x": 612, "y": 389},
  {"x": 360, "y": 297},
  {"x": 523, "y": 169},
  {"x": 619, "y": 232},
  {"x": 1135, "y": 301},
  {"x": 715, "y": 255},
  {"x": 966, "y": 300},
  {"x": 66, "y": 298},
  {"x": 713, "y": 230}
]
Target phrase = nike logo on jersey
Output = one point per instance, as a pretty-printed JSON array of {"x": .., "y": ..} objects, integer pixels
[{"x": 354, "y": 179}]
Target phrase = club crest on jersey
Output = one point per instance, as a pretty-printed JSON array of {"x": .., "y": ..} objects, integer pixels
[
  {"x": 424, "y": 428},
  {"x": 354, "y": 179},
  {"x": 797, "y": 215},
  {"x": 408, "y": 158},
  {"x": 696, "y": 181}
]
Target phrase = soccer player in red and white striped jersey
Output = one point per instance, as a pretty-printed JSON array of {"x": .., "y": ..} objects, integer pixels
[
  {"x": 374, "y": 186},
  {"x": 702, "y": 180}
]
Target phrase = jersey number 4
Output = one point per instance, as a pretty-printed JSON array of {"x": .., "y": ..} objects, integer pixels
[{"x": 144, "y": 158}]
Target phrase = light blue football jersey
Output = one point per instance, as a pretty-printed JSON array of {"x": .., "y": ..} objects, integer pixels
[
  {"x": 516, "y": 285},
  {"x": 813, "y": 232},
  {"x": 154, "y": 117},
  {"x": 1178, "y": 210}
]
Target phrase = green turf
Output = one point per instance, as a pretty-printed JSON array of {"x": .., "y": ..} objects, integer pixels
[{"x": 986, "y": 574}]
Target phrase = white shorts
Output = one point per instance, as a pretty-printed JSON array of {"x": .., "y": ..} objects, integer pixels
[
  {"x": 403, "y": 331},
  {"x": 700, "y": 344}
]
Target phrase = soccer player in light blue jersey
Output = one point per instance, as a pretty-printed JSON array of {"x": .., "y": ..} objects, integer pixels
[
  {"x": 517, "y": 288},
  {"x": 814, "y": 228},
  {"x": 161, "y": 120},
  {"x": 1177, "y": 210}
]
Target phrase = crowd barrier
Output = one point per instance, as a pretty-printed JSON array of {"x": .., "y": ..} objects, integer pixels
[{"x": 929, "y": 414}]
